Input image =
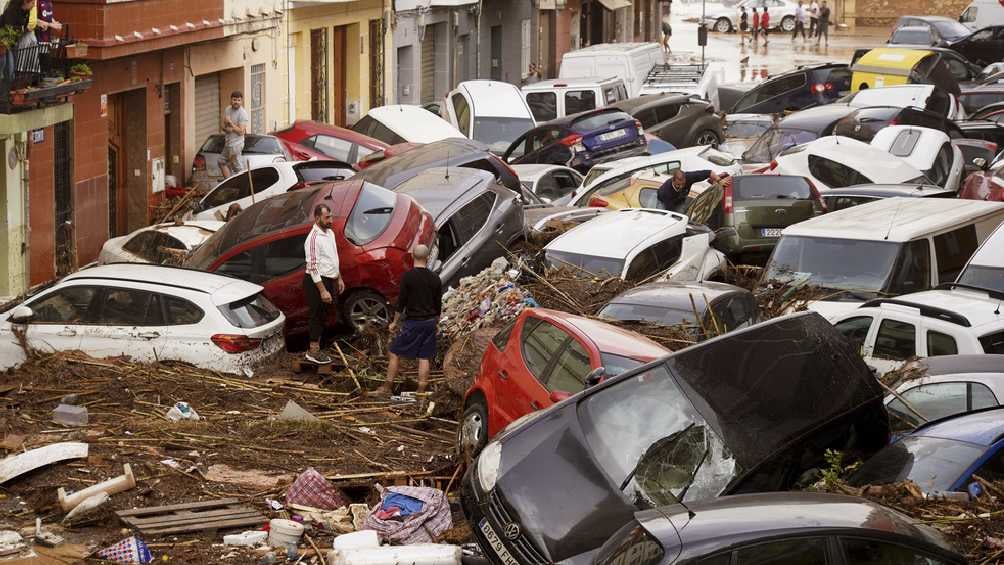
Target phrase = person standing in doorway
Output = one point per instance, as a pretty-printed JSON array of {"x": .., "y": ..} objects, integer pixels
[
  {"x": 235, "y": 127},
  {"x": 322, "y": 283},
  {"x": 765, "y": 24},
  {"x": 813, "y": 19},
  {"x": 756, "y": 27},
  {"x": 800, "y": 16},
  {"x": 744, "y": 23},
  {"x": 824, "y": 23},
  {"x": 420, "y": 304}
]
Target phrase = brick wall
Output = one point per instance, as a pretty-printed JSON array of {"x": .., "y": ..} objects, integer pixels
[
  {"x": 885, "y": 12},
  {"x": 41, "y": 210}
]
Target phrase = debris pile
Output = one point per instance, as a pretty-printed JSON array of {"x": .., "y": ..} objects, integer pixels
[{"x": 488, "y": 299}]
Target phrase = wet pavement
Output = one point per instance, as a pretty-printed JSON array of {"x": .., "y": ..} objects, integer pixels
[{"x": 746, "y": 63}]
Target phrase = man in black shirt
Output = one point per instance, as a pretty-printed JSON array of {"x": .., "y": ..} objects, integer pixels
[
  {"x": 420, "y": 303},
  {"x": 673, "y": 193}
]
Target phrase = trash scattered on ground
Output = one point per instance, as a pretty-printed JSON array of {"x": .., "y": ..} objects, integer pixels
[
  {"x": 17, "y": 465},
  {"x": 313, "y": 490},
  {"x": 122, "y": 483},
  {"x": 44, "y": 537},
  {"x": 182, "y": 411},
  {"x": 489, "y": 298},
  {"x": 250, "y": 538},
  {"x": 293, "y": 412},
  {"x": 12, "y": 543},
  {"x": 409, "y": 515},
  {"x": 70, "y": 415},
  {"x": 211, "y": 515},
  {"x": 130, "y": 550},
  {"x": 89, "y": 510},
  {"x": 284, "y": 533}
]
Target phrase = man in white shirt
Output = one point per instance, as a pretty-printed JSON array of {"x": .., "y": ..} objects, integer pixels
[
  {"x": 321, "y": 279},
  {"x": 813, "y": 19}
]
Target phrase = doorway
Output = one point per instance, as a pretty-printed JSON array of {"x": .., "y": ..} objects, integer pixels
[
  {"x": 66, "y": 255},
  {"x": 496, "y": 37},
  {"x": 339, "y": 47},
  {"x": 319, "y": 75},
  {"x": 548, "y": 39},
  {"x": 376, "y": 63},
  {"x": 127, "y": 165},
  {"x": 172, "y": 131}
]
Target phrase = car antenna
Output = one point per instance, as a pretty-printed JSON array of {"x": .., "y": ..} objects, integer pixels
[
  {"x": 892, "y": 221},
  {"x": 447, "y": 178}
]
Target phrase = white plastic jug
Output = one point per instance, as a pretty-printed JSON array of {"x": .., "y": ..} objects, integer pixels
[
  {"x": 418, "y": 554},
  {"x": 363, "y": 539},
  {"x": 282, "y": 533}
]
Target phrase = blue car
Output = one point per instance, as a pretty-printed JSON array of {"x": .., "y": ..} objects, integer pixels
[
  {"x": 580, "y": 140},
  {"x": 942, "y": 456}
]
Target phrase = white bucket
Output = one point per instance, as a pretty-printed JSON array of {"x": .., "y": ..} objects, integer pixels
[
  {"x": 418, "y": 554},
  {"x": 282, "y": 533}
]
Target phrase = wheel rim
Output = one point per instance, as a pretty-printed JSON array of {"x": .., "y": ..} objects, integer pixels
[
  {"x": 470, "y": 432},
  {"x": 788, "y": 24},
  {"x": 369, "y": 309},
  {"x": 723, "y": 26},
  {"x": 707, "y": 138}
]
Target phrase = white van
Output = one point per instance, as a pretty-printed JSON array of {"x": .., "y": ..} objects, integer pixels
[
  {"x": 488, "y": 111},
  {"x": 552, "y": 99},
  {"x": 982, "y": 13},
  {"x": 884, "y": 248},
  {"x": 629, "y": 61},
  {"x": 986, "y": 268}
]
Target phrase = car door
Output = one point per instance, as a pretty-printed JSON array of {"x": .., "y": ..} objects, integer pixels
[
  {"x": 59, "y": 317},
  {"x": 466, "y": 228},
  {"x": 858, "y": 330},
  {"x": 183, "y": 335},
  {"x": 895, "y": 341},
  {"x": 525, "y": 374},
  {"x": 667, "y": 127},
  {"x": 129, "y": 322}
]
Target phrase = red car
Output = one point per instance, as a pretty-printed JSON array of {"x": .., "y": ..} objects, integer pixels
[
  {"x": 301, "y": 152},
  {"x": 392, "y": 151},
  {"x": 337, "y": 143},
  {"x": 375, "y": 228},
  {"x": 984, "y": 185},
  {"x": 541, "y": 358}
]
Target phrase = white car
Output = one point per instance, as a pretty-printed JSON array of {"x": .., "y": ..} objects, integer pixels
[
  {"x": 838, "y": 162},
  {"x": 647, "y": 242},
  {"x": 489, "y": 111},
  {"x": 607, "y": 178},
  {"x": 946, "y": 385},
  {"x": 548, "y": 182},
  {"x": 162, "y": 243},
  {"x": 725, "y": 18},
  {"x": 986, "y": 267},
  {"x": 405, "y": 123},
  {"x": 267, "y": 181},
  {"x": 149, "y": 313},
  {"x": 557, "y": 98},
  {"x": 929, "y": 150},
  {"x": 924, "y": 96},
  {"x": 925, "y": 324}
]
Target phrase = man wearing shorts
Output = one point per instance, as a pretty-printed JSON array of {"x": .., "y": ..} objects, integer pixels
[
  {"x": 235, "y": 126},
  {"x": 420, "y": 303}
]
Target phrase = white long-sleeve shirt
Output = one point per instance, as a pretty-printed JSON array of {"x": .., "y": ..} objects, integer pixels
[{"x": 321, "y": 252}]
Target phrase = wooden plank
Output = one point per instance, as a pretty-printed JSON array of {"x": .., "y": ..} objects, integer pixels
[
  {"x": 195, "y": 520},
  {"x": 173, "y": 507},
  {"x": 134, "y": 521},
  {"x": 221, "y": 525}
]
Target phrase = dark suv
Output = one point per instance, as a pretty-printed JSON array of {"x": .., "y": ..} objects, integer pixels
[
  {"x": 681, "y": 120},
  {"x": 801, "y": 88},
  {"x": 580, "y": 141}
]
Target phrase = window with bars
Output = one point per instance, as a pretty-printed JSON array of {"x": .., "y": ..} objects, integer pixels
[{"x": 256, "y": 107}]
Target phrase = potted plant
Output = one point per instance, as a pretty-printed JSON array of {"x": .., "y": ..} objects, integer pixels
[
  {"x": 8, "y": 38},
  {"x": 76, "y": 50},
  {"x": 80, "y": 71}
]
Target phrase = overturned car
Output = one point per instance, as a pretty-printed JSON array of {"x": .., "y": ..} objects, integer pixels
[{"x": 696, "y": 424}]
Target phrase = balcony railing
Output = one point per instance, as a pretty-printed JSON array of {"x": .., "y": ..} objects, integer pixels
[{"x": 40, "y": 75}]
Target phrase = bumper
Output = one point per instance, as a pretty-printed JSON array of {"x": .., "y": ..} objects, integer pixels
[
  {"x": 736, "y": 244},
  {"x": 480, "y": 507}
]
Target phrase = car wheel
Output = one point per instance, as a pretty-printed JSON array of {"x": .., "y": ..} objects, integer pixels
[
  {"x": 706, "y": 137},
  {"x": 788, "y": 23},
  {"x": 473, "y": 433},
  {"x": 723, "y": 25},
  {"x": 366, "y": 306}
]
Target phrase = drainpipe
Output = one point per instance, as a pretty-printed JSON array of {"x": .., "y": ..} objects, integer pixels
[
  {"x": 477, "y": 44},
  {"x": 290, "y": 101}
]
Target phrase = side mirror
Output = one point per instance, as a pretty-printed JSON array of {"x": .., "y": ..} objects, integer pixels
[
  {"x": 21, "y": 315},
  {"x": 596, "y": 376},
  {"x": 981, "y": 163},
  {"x": 559, "y": 395}
]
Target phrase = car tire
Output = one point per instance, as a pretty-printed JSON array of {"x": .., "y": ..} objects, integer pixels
[
  {"x": 705, "y": 137},
  {"x": 723, "y": 25},
  {"x": 362, "y": 306},
  {"x": 788, "y": 24},
  {"x": 472, "y": 435}
]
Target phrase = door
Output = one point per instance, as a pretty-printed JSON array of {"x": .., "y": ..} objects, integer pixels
[
  {"x": 496, "y": 53},
  {"x": 376, "y": 63},
  {"x": 172, "y": 132},
  {"x": 429, "y": 65},
  {"x": 464, "y": 227},
  {"x": 894, "y": 342},
  {"x": 547, "y": 42},
  {"x": 207, "y": 107},
  {"x": 339, "y": 47},
  {"x": 66, "y": 256},
  {"x": 58, "y": 317},
  {"x": 128, "y": 322},
  {"x": 256, "y": 100},
  {"x": 524, "y": 371},
  {"x": 319, "y": 75}
]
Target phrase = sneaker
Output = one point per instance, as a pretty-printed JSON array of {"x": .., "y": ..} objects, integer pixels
[{"x": 318, "y": 357}]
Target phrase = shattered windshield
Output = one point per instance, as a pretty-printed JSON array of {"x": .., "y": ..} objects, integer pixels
[
  {"x": 774, "y": 141},
  {"x": 661, "y": 450}
]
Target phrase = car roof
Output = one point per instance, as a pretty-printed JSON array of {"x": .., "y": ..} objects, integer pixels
[
  {"x": 888, "y": 190},
  {"x": 502, "y": 99},
  {"x": 924, "y": 150},
  {"x": 815, "y": 119},
  {"x": 984, "y": 427},
  {"x": 900, "y": 56},
  {"x": 903, "y": 95},
  {"x": 310, "y": 127},
  {"x": 392, "y": 171},
  {"x": 651, "y": 100},
  {"x": 975, "y": 306},
  {"x": 414, "y": 123},
  {"x": 570, "y": 82},
  {"x": 633, "y": 226},
  {"x": 895, "y": 219},
  {"x": 882, "y": 166},
  {"x": 955, "y": 364},
  {"x": 533, "y": 171},
  {"x": 192, "y": 232},
  {"x": 566, "y": 121},
  {"x": 608, "y": 338},
  {"x": 631, "y": 163},
  {"x": 221, "y": 288},
  {"x": 705, "y": 526},
  {"x": 929, "y": 18},
  {"x": 437, "y": 188},
  {"x": 991, "y": 252},
  {"x": 670, "y": 294},
  {"x": 611, "y": 48}
]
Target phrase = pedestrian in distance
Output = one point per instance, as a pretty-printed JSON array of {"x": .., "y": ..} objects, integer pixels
[
  {"x": 765, "y": 24},
  {"x": 813, "y": 19},
  {"x": 322, "y": 283},
  {"x": 420, "y": 303},
  {"x": 801, "y": 16},
  {"x": 756, "y": 27},
  {"x": 824, "y": 23},
  {"x": 235, "y": 127},
  {"x": 667, "y": 32},
  {"x": 744, "y": 23},
  {"x": 673, "y": 193}
]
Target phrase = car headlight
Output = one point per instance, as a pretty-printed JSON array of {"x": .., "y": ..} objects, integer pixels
[{"x": 488, "y": 465}]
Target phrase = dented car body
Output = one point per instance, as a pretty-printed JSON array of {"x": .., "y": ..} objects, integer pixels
[{"x": 694, "y": 425}]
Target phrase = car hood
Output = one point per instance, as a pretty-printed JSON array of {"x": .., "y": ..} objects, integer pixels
[{"x": 536, "y": 217}]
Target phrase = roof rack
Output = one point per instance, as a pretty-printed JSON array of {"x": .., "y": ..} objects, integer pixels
[
  {"x": 926, "y": 311},
  {"x": 675, "y": 74}
]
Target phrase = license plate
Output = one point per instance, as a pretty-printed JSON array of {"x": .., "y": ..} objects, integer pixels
[
  {"x": 496, "y": 544},
  {"x": 613, "y": 135},
  {"x": 770, "y": 232}
]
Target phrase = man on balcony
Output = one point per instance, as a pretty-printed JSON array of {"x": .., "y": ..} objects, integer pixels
[{"x": 235, "y": 126}]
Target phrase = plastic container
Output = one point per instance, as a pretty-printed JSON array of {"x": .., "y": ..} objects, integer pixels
[
  {"x": 418, "y": 554},
  {"x": 282, "y": 533},
  {"x": 363, "y": 539},
  {"x": 246, "y": 539},
  {"x": 70, "y": 415}
]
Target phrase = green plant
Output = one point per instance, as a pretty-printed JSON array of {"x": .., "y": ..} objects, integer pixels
[
  {"x": 836, "y": 470},
  {"x": 81, "y": 69},
  {"x": 9, "y": 36}
]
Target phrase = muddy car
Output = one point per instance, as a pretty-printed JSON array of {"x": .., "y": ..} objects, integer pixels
[{"x": 696, "y": 424}]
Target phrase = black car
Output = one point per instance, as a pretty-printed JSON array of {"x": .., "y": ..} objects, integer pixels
[
  {"x": 804, "y": 87},
  {"x": 580, "y": 140},
  {"x": 700, "y": 423},
  {"x": 983, "y": 47},
  {"x": 863, "y": 123},
  {"x": 453, "y": 152},
  {"x": 986, "y": 130},
  {"x": 682, "y": 120},
  {"x": 850, "y": 196},
  {"x": 973, "y": 98},
  {"x": 796, "y": 129},
  {"x": 788, "y": 528}
]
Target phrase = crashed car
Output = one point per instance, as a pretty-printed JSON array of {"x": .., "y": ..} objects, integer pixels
[
  {"x": 697, "y": 424},
  {"x": 635, "y": 244},
  {"x": 149, "y": 313},
  {"x": 717, "y": 307},
  {"x": 167, "y": 243}
]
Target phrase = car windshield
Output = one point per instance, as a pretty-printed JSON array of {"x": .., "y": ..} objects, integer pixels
[
  {"x": 932, "y": 463},
  {"x": 951, "y": 29},
  {"x": 591, "y": 264},
  {"x": 371, "y": 214},
  {"x": 839, "y": 264},
  {"x": 499, "y": 133},
  {"x": 261, "y": 145},
  {"x": 774, "y": 141},
  {"x": 600, "y": 120},
  {"x": 979, "y": 276},
  {"x": 911, "y": 36},
  {"x": 646, "y": 313},
  {"x": 769, "y": 187},
  {"x": 661, "y": 450},
  {"x": 745, "y": 130}
]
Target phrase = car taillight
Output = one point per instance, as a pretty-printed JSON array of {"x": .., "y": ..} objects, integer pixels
[
  {"x": 570, "y": 140},
  {"x": 235, "y": 343},
  {"x": 298, "y": 186},
  {"x": 505, "y": 166},
  {"x": 773, "y": 165},
  {"x": 816, "y": 195},
  {"x": 822, "y": 87},
  {"x": 727, "y": 197},
  {"x": 596, "y": 202},
  {"x": 199, "y": 164}
]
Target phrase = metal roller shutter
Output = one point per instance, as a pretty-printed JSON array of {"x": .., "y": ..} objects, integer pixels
[
  {"x": 429, "y": 65},
  {"x": 207, "y": 107}
]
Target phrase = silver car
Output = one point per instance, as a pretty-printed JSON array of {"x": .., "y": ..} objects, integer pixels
[
  {"x": 724, "y": 18},
  {"x": 259, "y": 150}
]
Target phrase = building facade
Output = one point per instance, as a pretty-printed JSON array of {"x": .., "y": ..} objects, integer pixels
[
  {"x": 435, "y": 48},
  {"x": 506, "y": 40}
]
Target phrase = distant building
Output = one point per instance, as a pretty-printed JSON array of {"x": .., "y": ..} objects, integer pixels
[{"x": 435, "y": 47}]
